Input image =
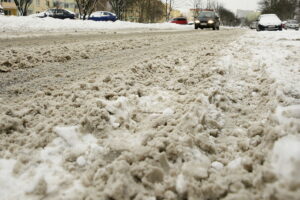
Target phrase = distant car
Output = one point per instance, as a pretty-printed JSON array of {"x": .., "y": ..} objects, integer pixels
[
  {"x": 179, "y": 20},
  {"x": 269, "y": 22},
  {"x": 292, "y": 24},
  {"x": 103, "y": 16},
  {"x": 56, "y": 13},
  {"x": 253, "y": 25},
  {"x": 1, "y": 10},
  {"x": 207, "y": 19},
  {"x": 283, "y": 24}
]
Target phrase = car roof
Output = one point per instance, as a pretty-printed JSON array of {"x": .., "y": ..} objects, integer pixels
[
  {"x": 266, "y": 15},
  {"x": 102, "y": 12},
  {"x": 179, "y": 18}
]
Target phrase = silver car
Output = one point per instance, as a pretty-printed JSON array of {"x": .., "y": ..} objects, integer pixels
[
  {"x": 292, "y": 24},
  {"x": 269, "y": 22}
]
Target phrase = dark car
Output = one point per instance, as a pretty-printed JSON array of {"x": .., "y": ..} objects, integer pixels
[
  {"x": 179, "y": 20},
  {"x": 103, "y": 16},
  {"x": 207, "y": 19},
  {"x": 292, "y": 24},
  {"x": 57, "y": 13},
  {"x": 1, "y": 10},
  {"x": 269, "y": 22}
]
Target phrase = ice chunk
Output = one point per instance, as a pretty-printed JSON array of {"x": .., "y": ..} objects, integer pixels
[{"x": 286, "y": 158}]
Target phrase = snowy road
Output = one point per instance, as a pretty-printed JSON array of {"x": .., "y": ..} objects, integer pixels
[
  {"x": 151, "y": 115},
  {"x": 58, "y": 59}
]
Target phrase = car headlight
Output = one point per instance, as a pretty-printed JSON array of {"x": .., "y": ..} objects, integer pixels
[
  {"x": 197, "y": 21},
  {"x": 210, "y": 21}
]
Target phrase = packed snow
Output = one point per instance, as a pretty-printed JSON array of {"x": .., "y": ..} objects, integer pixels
[{"x": 31, "y": 24}]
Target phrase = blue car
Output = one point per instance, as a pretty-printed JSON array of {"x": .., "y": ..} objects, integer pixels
[{"x": 103, "y": 16}]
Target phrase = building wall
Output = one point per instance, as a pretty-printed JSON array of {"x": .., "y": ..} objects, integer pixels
[
  {"x": 38, "y": 6},
  {"x": 9, "y": 7}
]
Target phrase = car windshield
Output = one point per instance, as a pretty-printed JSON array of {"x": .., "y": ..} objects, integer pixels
[
  {"x": 206, "y": 14},
  {"x": 179, "y": 19}
]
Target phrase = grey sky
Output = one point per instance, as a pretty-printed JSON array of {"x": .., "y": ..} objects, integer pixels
[
  {"x": 232, "y": 5},
  {"x": 240, "y": 4}
]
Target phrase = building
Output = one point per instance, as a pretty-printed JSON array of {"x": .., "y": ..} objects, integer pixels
[
  {"x": 38, "y": 6},
  {"x": 9, "y": 7}
]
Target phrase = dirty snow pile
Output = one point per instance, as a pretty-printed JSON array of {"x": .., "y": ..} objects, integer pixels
[
  {"x": 31, "y": 24},
  {"x": 276, "y": 54},
  {"x": 191, "y": 125}
]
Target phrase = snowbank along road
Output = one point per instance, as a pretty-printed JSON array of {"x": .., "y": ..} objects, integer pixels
[{"x": 150, "y": 116}]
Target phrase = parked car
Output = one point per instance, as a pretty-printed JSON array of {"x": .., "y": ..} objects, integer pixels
[
  {"x": 269, "y": 22},
  {"x": 179, "y": 20},
  {"x": 1, "y": 10},
  {"x": 283, "y": 24},
  {"x": 207, "y": 19},
  {"x": 292, "y": 24},
  {"x": 56, "y": 13},
  {"x": 253, "y": 25},
  {"x": 103, "y": 16}
]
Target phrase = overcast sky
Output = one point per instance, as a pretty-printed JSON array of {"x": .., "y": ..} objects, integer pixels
[
  {"x": 240, "y": 4},
  {"x": 233, "y": 5}
]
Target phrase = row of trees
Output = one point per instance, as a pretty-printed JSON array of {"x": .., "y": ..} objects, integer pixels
[
  {"x": 285, "y": 9},
  {"x": 137, "y": 10}
]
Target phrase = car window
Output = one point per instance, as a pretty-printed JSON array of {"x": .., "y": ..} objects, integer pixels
[
  {"x": 105, "y": 13},
  {"x": 50, "y": 11},
  {"x": 59, "y": 12},
  {"x": 206, "y": 14},
  {"x": 66, "y": 12},
  {"x": 96, "y": 14}
]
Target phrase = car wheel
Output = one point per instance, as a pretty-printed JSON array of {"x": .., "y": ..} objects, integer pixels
[
  {"x": 196, "y": 26},
  {"x": 214, "y": 28}
]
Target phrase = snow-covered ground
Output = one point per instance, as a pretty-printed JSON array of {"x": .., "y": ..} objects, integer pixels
[
  {"x": 218, "y": 121},
  {"x": 31, "y": 24},
  {"x": 277, "y": 55}
]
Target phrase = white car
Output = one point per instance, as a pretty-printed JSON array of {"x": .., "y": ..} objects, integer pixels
[
  {"x": 1, "y": 10},
  {"x": 292, "y": 24},
  {"x": 269, "y": 22}
]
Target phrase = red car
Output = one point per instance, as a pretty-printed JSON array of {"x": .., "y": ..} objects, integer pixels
[{"x": 179, "y": 20}]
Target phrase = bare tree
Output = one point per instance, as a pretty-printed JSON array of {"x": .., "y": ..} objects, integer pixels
[
  {"x": 23, "y": 6},
  {"x": 197, "y": 6},
  {"x": 213, "y": 4},
  {"x": 120, "y": 7},
  {"x": 85, "y": 7},
  {"x": 297, "y": 11},
  {"x": 168, "y": 8},
  {"x": 285, "y": 9}
]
